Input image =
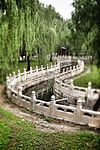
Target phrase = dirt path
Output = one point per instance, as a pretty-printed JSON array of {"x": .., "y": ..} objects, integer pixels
[{"x": 40, "y": 123}]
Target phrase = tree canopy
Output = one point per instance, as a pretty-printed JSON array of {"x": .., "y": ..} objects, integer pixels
[
  {"x": 86, "y": 20},
  {"x": 26, "y": 26}
]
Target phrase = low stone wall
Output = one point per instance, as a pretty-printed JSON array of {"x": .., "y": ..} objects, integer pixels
[{"x": 16, "y": 83}]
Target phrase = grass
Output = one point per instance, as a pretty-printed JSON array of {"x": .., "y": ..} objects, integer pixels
[
  {"x": 93, "y": 76},
  {"x": 17, "y": 134}
]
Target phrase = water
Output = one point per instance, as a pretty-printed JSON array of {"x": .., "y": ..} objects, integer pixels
[{"x": 44, "y": 91}]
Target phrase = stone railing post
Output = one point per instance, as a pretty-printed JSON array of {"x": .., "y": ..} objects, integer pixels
[
  {"x": 89, "y": 95},
  {"x": 47, "y": 67},
  {"x": 7, "y": 81},
  {"x": 19, "y": 95},
  {"x": 71, "y": 90},
  {"x": 10, "y": 76},
  {"x": 70, "y": 68},
  {"x": 31, "y": 70},
  {"x": 41, "y": 67},
  {"x": 89, "y": 91},
  {"x": 67, "y": 69},
  {"x": 82, "y": 66},
  {"x": 69, "y": 58},
  {"x": 32, "y": 101},
  {"x": 77, "y": 69},
  {"x": 8, "y": 87},
  {"x": 51, "y": 65},
  {"x": 72, "y": 73},
  {"x": 73, "y": 67},
  {"x": 58, "y": 64},
  {"x": 24, "y": 73},
  {"x": 71, "y": 85},
  {"x": 55, "y": 67},
  {"x": 63, "y": 71},
  {"x": 14, "y": 75},
  {"x": 52, "y": 106},
  {"x": 78, "y": 112},
  {"x": 79, "y": 62},
  {"x": 37, "y": 69},
  {"x": 19, "y": 76}
]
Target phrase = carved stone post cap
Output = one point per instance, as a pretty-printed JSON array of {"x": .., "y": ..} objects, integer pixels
[
  {"x": 7, "y": 78},
  {"x": 18, "y": 71},
  {"x": 30, "y": 68},
  {"x": 80, "y": 100},
  {"x": 53, "y": 98},
  {"x": 14, "y": 72},
  {"x": 33, "y": 92},
  {"x": 71, "y": 81},
  {"x": 89, "y": 83},
  {"x": 10, "y": 75},
  {"x": 36, "y": 68},
  {"x": 33, "y": 95},
  {"x": 41, "y": 66}
]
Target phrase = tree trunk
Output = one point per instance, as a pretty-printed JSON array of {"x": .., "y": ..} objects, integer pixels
[
  {"x": 51, "y": 57},
  {"x": 28, "y": 62}
]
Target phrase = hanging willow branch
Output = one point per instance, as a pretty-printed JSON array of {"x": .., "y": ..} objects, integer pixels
[{"x": 28, "y": 26}]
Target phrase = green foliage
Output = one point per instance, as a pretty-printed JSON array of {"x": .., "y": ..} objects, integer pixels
[
  {"x": 19, "y": 134},
  {"x": 93, "y": 76},
  {"x": 86, "y": 20},
  {"x": 27, "y": 27},
  {"x": 4, "y": 135}
]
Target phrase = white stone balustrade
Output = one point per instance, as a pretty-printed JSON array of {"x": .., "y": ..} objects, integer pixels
[{"x": 15, "y": 85}]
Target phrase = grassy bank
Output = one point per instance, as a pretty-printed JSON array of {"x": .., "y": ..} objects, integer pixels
[
  {"x": 17, "y": 134},
  {"x": 93, "y": 76}
]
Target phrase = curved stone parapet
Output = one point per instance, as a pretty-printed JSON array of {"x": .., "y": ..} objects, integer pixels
[{"x": 15, "y": 85}]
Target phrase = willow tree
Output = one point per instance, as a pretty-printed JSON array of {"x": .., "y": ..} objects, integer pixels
[
  {"x": 28, "y": 27},
  {"x": 8, "y": 35}
]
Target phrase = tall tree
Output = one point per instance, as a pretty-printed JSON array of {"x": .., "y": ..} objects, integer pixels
[
  {"x": 27, "y": 27},
  {"x": 86, "y": 19}
]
